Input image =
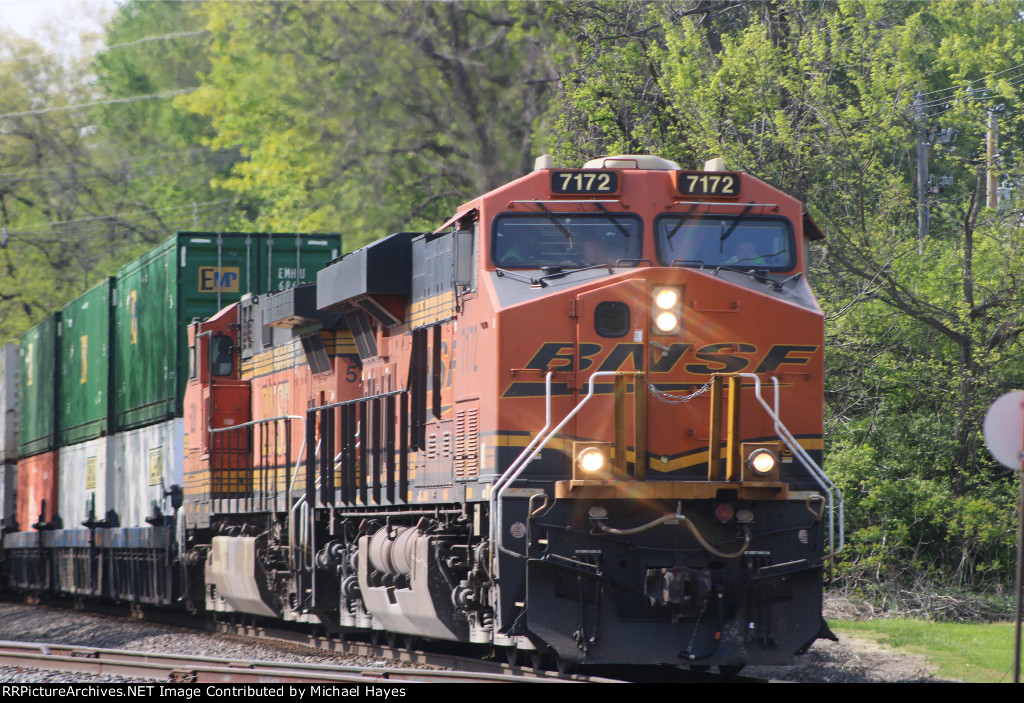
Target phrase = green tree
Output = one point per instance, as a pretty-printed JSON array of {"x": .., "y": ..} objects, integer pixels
[
  {"x": 95, "y": 163},
  {"x": 52, "y": 235},
  {"x": 366, "y": 118},
  {"x": 156, "y": 152},
  {"x": 829, "y": 101}
]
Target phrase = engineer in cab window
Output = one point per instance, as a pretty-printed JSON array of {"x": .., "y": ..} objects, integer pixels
[
  {"x": 745, "y": 251},
  {"x": 600, "y": 250}
]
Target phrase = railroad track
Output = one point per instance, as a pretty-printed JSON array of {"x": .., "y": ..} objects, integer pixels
[
  {"x": 443, "y": 655},
  {"x": 447, "y": 655},
  {"x": 452, "y": 663},
  {"x": 81, "y": 656},
  {"x": 181, "y": 669}
]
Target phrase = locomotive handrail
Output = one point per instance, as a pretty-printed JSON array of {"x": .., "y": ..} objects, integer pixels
[
  {"x": 576, "y": 203},
  {"x": 716, "y": 203},
  {"x": 527, "y": 455},
  {"x": 214, "y": 430},
  {"x": 541, "y": 439},
  {"x": 816, "y": 472},
  {"x": 302, "y": 447},
  {"x": 303, "y": 499},
  {"x": 494, "y": 499},
  {"x": 295, "y": 471}
]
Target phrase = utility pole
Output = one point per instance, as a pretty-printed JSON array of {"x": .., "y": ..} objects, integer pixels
[
  {"x": 991, "y": 149},
  {"x": 922, "y": 174}
]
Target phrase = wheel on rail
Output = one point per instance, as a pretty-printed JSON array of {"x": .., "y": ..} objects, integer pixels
[
  {"x": 563, "y": 666},
  {"x": 730, "y": 669},
  {"x": 511, "y": 655},
  {"x": 391, "y": 638},
  {"x": 410, "y": 641},
  {"x": 376, "y": 637},
  {"x": 540, "y": 660}
]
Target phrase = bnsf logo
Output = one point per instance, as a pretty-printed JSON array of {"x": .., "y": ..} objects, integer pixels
[
  {"x": 212, "y": 279},
  {"x": 724, "y": 357}
]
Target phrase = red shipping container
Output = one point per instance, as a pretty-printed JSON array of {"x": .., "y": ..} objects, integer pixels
[{"x": 37, "y": 482}]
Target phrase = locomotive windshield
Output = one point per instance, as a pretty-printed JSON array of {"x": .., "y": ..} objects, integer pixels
[
  {"x": 566, "y": 239},
  {"x": 720, "y": 240}
]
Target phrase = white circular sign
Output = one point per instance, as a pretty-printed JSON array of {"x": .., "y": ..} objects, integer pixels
[{"x": 1004, "y": 426}]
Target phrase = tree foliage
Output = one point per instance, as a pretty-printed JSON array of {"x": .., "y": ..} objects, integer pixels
[
  {"x": 829, "y": 102},
  {"x": 97, "y": 165},
  {"x": 50, "y": 195},
  {"x": 368, "y": 117},
  {"x": 355, "y": 117},
  {"x": 154, "y": 52}
]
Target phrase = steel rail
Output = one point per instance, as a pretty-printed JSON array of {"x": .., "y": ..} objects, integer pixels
[{"x": 189, "y": 669}]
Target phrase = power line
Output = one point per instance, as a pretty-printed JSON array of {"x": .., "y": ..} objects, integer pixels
[
  {"x": 976, "y": 80},
  {"x": 22, "y": 175},
  {"x": 158, "y": 37},
  {"x": 113, "y": 101},
  {"x": 137, "y": 171},
  {"x": 97, "y": 219}
]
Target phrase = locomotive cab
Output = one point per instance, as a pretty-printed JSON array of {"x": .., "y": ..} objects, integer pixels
[{"x": 216, "y": 399}]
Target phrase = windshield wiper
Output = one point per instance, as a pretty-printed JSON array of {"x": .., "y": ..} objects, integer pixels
[
  {"x": 732, "y": 228},
  {"x": 516, "y": 276},
  {"x": 682, "y": 221},
  {"x": 759, "y": 277},
  {"x": 566, "y": 272},
  {"x": 556, "y": 223},
  {"x": 759, "y": 258},
  {"x": 618, "y": 225}
]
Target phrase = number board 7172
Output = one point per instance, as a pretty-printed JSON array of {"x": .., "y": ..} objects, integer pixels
[
  {"x": 707, "y": 183},
  {"x": 586, "y": 182}
]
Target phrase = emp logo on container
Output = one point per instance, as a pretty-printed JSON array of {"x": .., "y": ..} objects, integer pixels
[{"x": 212, "y": 279}]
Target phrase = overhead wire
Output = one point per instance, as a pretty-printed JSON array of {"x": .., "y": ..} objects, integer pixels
[
  {"x": 40, "y": 174},
  {"x": 158, "y": 37},
  {"x": 137, "y": 172},
  {"x": 976, "y": 80},
  {"x": 96, "y": 103},
  {"x": 31, "y": 173},
  {"x": 83, "y": 223}
]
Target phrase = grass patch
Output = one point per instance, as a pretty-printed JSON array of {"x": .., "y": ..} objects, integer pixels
[{"x": 976, "y": 652}]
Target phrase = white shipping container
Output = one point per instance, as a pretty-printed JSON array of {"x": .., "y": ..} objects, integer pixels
[
  {"x": 147, "y": 462},
  {"x": 9, "y": 403},
  {"x": 8, "y": 491},
  {"x": 83, "y": 481}
]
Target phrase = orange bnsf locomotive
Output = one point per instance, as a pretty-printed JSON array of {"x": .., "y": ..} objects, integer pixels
[{"x": 583, "y": 418}]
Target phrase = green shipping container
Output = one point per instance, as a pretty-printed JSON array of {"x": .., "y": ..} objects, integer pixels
[
  {"x": 189, "y": 277},
  {"x": 38, "y": 386},
  {"x": 85, "y": 365}
]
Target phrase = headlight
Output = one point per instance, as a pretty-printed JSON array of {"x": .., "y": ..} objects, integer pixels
[
  {"x": 591, "y": 460},
  {"x": 666, "y": 322},
  {"x": 762, "y": 461},
  {"x": 666, "y": 309},
  {"x": 666, "y": 298}
]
